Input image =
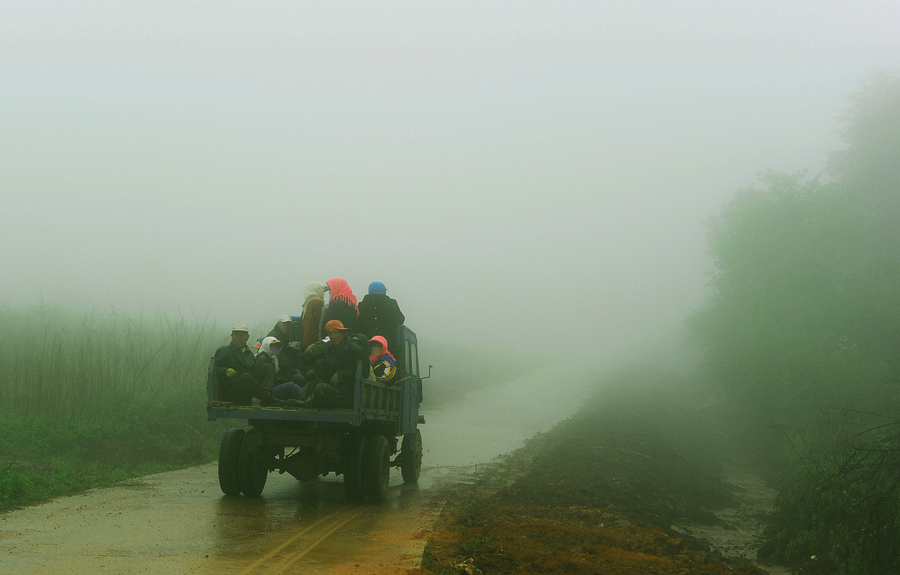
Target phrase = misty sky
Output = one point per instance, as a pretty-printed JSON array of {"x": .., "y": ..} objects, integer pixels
[{"x": 526, "y": 171}]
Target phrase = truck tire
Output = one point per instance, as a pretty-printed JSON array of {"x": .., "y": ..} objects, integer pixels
[
  {"x": 411, "y": 457},
  {"x": 252, "y": 471},
  {"x": 229, "y": 454},
  {"x": 353, "y": 469},
  {"x": 376, "y": 468}
]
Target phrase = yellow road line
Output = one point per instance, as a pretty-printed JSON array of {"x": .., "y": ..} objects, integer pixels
[
  {"x": 291, "y": 559},
  {"x": 336, "y": 516}
]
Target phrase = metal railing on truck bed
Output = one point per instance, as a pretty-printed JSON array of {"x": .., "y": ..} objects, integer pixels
[{"x": 373, "y": 401}]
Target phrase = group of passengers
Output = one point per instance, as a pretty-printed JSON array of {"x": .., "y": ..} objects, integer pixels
[{"x": 316, "y": 367}]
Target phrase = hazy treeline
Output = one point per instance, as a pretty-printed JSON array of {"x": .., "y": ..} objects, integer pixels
[
  {"x": 803, "y": 332},
  {"x": 805, "y": 311}
]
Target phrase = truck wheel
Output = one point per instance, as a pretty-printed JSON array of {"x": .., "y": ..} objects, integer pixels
[
  {"x": 411, "y": 457},
  {"x": 353, "y": 469},
  {"x": 229, "y": 453},
  {"x": 252, "y": 471},
  {"x": 376, "y": 468}
]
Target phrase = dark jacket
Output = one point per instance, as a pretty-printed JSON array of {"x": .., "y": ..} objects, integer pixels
[
  {"x": 339, "y": 310},
  {"x": 229, "y": 357},
  {"x": 276, "y": 332},
  {"x": 379, "y": 314},
  {"x": 343, "y": 358},
  {"x": 283, "y": 373},
  {"x": 287, "y": 351}
]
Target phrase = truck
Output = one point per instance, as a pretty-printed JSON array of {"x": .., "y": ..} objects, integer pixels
[{"x": 362, "y": 443}]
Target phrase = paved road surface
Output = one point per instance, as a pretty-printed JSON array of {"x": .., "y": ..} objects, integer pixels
[{"x": 179, "y": 522}]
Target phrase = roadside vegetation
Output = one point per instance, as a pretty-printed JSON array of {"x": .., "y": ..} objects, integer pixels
[
  {"x": 92, "y": 399},
  {"x": 799, "y": 376},
  {"x": 801, "y": 339},
  {"x": 841, "y": 514},
  {"x": 598, "y": 493}
]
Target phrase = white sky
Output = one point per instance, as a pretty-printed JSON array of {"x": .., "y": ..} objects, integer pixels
[{"x": 531, "y": 171}]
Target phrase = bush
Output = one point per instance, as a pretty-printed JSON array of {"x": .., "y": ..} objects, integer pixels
[{"x": 843, "y": 512}]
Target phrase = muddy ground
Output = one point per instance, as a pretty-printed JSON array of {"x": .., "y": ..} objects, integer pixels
[{"x": 610, "y": 490}]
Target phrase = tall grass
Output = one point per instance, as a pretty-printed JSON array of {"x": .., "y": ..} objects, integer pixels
[
  {"x": 65, "y": 367},
  {"x": 93, "y": 398}
]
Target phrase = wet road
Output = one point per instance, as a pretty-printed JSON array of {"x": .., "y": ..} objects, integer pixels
[{"x": 179, "y": 522}]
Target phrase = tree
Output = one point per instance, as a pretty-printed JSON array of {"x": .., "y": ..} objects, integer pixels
[
  {"x": 805, "y": 309},
  {"x": 868, "y": 175},
  {"x": 805, "y": 314}
]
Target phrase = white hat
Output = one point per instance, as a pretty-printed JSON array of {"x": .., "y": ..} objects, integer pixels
[
  {"x": 240, "y": 327},
  {"x": 285, "y": 319}
]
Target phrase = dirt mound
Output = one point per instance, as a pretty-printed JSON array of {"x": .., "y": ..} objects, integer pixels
[
  {"x": 596, "y": 494},
  {"x": 607, "y": 459},
  {"x": 526, "y": 538}
]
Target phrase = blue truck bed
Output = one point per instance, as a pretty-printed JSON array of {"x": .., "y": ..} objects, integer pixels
[
  {"x": 357, "y": 443},
  {"x": 373, "y": 401}
]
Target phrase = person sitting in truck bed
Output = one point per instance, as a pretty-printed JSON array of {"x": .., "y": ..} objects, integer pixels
[
  {"x": 234, "y": 367},
  {"x": 336, "y": 361},
  {"x": 283, "y": 332},
  {"x": 341, "y": 306},
  {"x": 288, "y": 381},
  {"x": 384, "y": 366},
  {"x": 379, "y": 314}
]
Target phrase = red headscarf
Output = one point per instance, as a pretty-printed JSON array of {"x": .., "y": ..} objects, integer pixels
[
  {"x": 384, "y": 348},
  {"x": 340, "y": 289}
]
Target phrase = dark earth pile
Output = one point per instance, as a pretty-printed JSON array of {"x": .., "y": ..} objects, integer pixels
[{"x": 596, "y": 494}]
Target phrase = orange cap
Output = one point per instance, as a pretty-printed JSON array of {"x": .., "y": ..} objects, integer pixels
[{"x": 336, "y": 324}]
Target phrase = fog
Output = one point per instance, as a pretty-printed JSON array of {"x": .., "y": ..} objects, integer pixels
[{"x": 524, "y": 174}]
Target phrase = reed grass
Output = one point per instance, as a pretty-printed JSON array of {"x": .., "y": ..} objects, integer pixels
[
  {"x": 65, "y": 367},
  {"x": 86, "y": 399}
]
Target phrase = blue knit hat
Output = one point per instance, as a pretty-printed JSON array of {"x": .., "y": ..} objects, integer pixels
[{"x": 377, "y": 287}]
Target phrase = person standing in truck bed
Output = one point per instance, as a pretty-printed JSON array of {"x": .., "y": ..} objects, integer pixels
[
  {"x": 311, "y": 314},
  {"x": 380, "y": 314},
  {"x": 341, "y": 306}
]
